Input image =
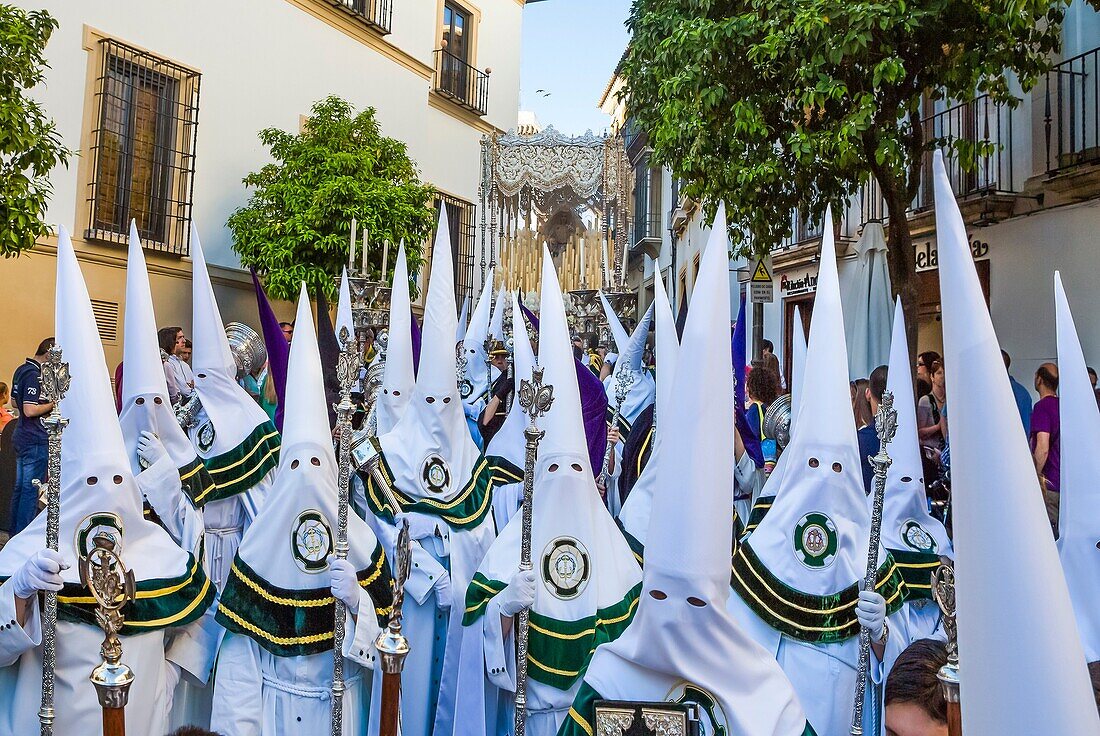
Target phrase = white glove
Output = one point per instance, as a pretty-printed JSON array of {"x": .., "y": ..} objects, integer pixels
[
  {"x": 344, "y": 583},
  {"x": 41, "y": 571},
  {"x": 150, "y": 448},
  {"x": 871, "y": 612},
  {"x": 171, "y": 679},
  {"x": 519, "y": 594},
  {"x": 442, "y": 588}
]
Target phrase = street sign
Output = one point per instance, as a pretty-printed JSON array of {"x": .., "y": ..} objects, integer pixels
[
  {"x": 761, "y": 274},
  {"x": 761, "y": 293},
  {"x": 760, "y": 285}
]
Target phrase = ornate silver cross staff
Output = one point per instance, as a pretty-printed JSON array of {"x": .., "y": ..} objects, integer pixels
[
  {"x": 347, "y": 371},
  {"x": 535, "y": 398},
  {"x": 55, "y": 384},
  {"x": 886, "y": 423},
  {"x": 624, "y": 378}
]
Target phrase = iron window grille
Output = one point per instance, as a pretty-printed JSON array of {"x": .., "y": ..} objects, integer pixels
[
  {"x": 460, "y": 217},
  {"x": 1071, "y": 111},
  {"x": 467, "y": 85},
  {"x": 377, "y": 14},
  {"x": 143, "y": 149}
]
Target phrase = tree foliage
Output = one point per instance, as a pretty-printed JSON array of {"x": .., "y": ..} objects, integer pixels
[
  {"x": 296, "y": 225},
  {"x": 774, "y": 105},
  {"x": 30, "y": 145}
]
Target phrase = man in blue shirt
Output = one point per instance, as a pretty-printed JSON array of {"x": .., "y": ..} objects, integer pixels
[
  {"x": 868, "y": 436},
  {"x": 1023, "y": 398},
  {"x": 29, "y": 438}
]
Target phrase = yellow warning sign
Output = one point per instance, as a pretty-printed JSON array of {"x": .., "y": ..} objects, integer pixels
[{"x": 761, "y": 274}]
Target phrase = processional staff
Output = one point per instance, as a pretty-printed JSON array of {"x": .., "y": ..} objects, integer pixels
[
  {"x": 112, "y": 586},
  {"x": 55, "y": 384},
  {"x": 943, "y": 591},
  {"x": 624, "y": 378},
  {"x": 347, "y": 371},
  {"x": 886, "y": 422},
  {"x": 391, "y": 643},
  {"x": 535, "y": 398}
]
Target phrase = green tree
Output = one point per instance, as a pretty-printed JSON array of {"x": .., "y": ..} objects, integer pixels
[
  {"x": 297, "y": 223},
  {"x": 30, "y": 145},
  {"x": 774, "y": 105}
]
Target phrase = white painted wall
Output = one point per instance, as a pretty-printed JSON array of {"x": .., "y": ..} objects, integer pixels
[{"x": 263, "y": 63}]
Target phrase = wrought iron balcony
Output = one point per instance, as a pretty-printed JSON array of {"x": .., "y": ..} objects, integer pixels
[
  {"x": 978, "y": 122},
  {"x": 1072, "y": 111},
  {"x": 378, "y": 14},
  {"x": 646, "y": 234},
  {"x": 466, "y": 85}
]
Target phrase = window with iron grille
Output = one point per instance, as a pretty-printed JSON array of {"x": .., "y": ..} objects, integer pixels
[
  {"x": 460, "y": 216},
  {"x": 143, "y": 149}
]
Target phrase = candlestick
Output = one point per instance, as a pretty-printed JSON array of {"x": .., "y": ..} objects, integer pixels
[
  {"x": 351, "y": 247},
  {"x": 385, "y": 261},
  {"x": 366, "y": 244}
]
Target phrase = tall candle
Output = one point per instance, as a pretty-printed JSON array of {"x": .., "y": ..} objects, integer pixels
[
  {"x": 584, "y": 274},
  {"x": 366, "y": 244},
  {"x": 351, "y": 248},
  {"x": 622, "y": 273},
  {"x": 603, "y": 258},
  {"x": 385, "y": 260}
]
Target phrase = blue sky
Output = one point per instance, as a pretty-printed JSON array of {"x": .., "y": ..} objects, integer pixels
[{"x": 570, "y": 48}]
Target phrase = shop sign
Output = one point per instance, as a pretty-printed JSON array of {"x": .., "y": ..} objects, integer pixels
[{"x": 928, "y": 255}]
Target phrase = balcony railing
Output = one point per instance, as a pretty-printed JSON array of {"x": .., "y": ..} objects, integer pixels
[
  {"x": 467, "y": 85},
  {"x": 647, "y": 227},
  {"x": 378, "y": 14},
  {"x": 1072, "y": 111},
  {"x": 977, "y": 122}
]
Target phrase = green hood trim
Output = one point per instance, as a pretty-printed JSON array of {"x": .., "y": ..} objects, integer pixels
[
  {"x": 465, "y": 511},
  {"x": 759, "y": 511},
  {"x": 160, "y": 603},
  {"x": 242, "y": 467},
  {"x": 558, "y": 651},
  {"x": 294, "y": 623},
  {"x": 196, "y": 480},
  {"x": 636, "y": 547},
  {"x": 818, "y": 619},
  {"x": 917, "y": 569}
]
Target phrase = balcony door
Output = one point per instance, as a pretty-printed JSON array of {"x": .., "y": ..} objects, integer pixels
[{"x": 455, "y": 62}]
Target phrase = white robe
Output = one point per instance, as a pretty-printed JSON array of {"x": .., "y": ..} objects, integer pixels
[
  {"x": 260, "y": 694},
  {"x": 75, "y": 703}
]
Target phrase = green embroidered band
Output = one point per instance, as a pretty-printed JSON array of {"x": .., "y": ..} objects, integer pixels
[{"x": 241, "y": 468}]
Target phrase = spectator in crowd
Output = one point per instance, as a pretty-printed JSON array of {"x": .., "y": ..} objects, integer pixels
[
  {"x": 915, "y": 705},
  {"x": 767, "y": 354},
  {"x": 932, "y": 410},
  {"x": 924, "y": 371},
  {"x": 861, "y": 407},
  {"x": 185, "y": 354},
  {"x": 578, "y": 347},
  {"x": 5, "y": 413},
  {"x": 29, "y": 439},
  {"x": 1023, "y": 398},
  {"x": 181, "y": 382},
  {"x": 1046, "y": 438},
  {"x": 762, "y": 387},
  {"x": 288, "y": 331},
  {"x": 369, "y": 351},
  {"x": 868, "y": 433}
]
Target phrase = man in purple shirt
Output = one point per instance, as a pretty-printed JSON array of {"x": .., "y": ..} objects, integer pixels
[{"x": 1045, "y": 436}]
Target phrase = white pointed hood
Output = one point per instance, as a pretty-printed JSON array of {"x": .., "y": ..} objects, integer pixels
[
  {"x": 496, "y": 322},
  {"x": 1079, "y": 517},
  {"x": 618, "y": 332},
  {"x": 584, "y": 566},
  {"x": 1008, "y": 576},
  {"x": 433, "y": 427},
  {"x": 233, "y": 414},
  {"x": 906, "y": 524},
  {"x": 685, "y": 583},
  {"x": 344, "y": 316},
  {"x": 145, "y": 402},
  {"x": 473, "y": 346},
  {"x": 289, "y": 543},
  {"x": 634, "y": 516},
  {"x": 821, "y": 490},
  {"x": 463, "y": 316},
  {"x": 398, "y": 377},
  {"x": 99, "y": 492},
  {"x": 509, "y": 442},
  {"x": 642, "y": 389}
]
